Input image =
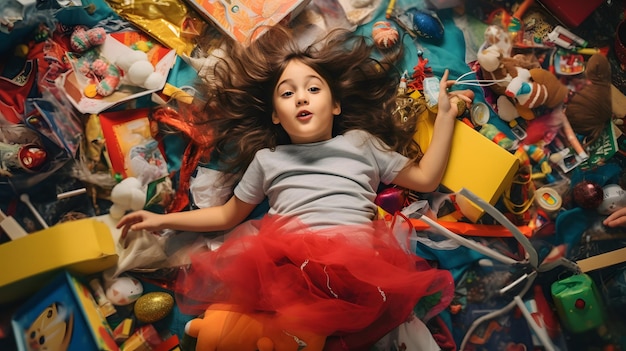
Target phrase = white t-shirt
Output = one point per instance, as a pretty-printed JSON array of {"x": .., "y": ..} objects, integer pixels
[{"x": 328, "y": 183}]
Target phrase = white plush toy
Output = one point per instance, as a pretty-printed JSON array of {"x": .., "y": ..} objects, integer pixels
[
  {"x": 614, "y": 199},
  {"x": 127, "y": 195},
  {"x": 138, "y": 70}
]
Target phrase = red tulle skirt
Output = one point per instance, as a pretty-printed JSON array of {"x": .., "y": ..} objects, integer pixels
[{"x": 352, "y": 283}]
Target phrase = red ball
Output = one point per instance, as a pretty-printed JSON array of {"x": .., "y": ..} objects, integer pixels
[
  {"x": 32, "y": 157},
  {"x": 587, "y": 194}
]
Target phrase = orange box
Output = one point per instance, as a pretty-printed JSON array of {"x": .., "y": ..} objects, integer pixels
[{"x": 245, "y": 19}]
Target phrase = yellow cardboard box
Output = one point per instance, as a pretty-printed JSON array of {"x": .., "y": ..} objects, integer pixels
[
  {"x": 83, "y": 246},
  {"x": 476, "y": 163}
]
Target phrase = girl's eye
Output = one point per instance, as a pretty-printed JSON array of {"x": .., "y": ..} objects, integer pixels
[
  {"x": 287, "y": 94},
  {"x": 314, "y": 89}
]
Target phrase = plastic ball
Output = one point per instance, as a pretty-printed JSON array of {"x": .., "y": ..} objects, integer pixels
[
  {"x": 32, "y": 157},
  {"x": 124, "y": 291},
  {"x": 588, "y": 194}
]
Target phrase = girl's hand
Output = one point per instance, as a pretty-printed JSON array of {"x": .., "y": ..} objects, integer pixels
[
  {"x": 615, "y": 219},
  {"x": 140, "y": 220},
  {"x": 451, "y": 103}
]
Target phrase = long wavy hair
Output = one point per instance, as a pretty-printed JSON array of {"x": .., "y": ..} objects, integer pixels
[{"x": 239, "y": 102}]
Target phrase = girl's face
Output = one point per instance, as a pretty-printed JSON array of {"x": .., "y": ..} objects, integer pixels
[{"x": 303, "y": 104}]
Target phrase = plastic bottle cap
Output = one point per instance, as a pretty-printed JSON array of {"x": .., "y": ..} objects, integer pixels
[
  {"x": 479, "y": 114},
  {"x": 548, "y": 199}
]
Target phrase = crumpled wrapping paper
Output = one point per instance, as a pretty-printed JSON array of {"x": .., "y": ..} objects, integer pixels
[{"x": 171, "y": 22}]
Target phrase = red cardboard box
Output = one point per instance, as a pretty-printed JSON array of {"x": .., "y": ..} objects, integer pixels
[
  {"x": 245, "y": 19},
  {"x": 573, "y": 12}
]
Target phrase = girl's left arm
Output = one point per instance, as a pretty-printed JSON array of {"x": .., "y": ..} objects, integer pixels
[{"x": 426, "y": 175}]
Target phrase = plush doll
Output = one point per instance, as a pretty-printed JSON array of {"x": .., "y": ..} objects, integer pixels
[
  {"x": 496, "y": 60},
  {"x": 127, "y": 195},
  {"x": 138, "y": 70},
  {"x": 222, "y": 328},
  {"x": 530, "y": 89},
  {"x": 590, "y": 109}
]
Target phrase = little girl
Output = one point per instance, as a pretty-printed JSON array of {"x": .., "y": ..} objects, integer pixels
[{"x": 311, "y": 130}]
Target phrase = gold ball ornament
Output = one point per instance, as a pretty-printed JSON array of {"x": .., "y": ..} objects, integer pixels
[
  {"x": 385, "y": 35},
  {"x": 153, "y": 306}
]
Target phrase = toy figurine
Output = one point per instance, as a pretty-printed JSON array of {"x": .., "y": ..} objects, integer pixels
[{"x": 21, "y": 157}]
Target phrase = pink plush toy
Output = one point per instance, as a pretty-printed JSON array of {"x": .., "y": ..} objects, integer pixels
[
  {"x": 105, "y": 76},
  {"x": 83, "y": 39}
]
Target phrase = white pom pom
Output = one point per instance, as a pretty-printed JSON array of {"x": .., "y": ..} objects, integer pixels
[
  {"x": 127, "y": 59},
  {"x": 139, "y": 72},
  {"x": 153, "y": 81},
  {"x": 116, "y": 211}
]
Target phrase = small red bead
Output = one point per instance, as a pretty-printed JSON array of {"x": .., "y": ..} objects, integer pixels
[{"x": 580, "y": 304}]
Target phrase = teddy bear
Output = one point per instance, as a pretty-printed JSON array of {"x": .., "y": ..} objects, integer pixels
[
  {"x": 590, "y": 109},
  {"x": 127, "y": 195},
  {"x": 223, "y": 328}
]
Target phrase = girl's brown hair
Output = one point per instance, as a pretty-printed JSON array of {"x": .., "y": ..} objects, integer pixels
[{"x": 239, "y": 105}]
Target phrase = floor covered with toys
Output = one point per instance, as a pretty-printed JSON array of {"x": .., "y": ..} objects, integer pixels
[{"x": 89, "y": 131}]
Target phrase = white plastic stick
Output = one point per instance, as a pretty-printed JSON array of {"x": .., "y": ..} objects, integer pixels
[{"x": 26, "y": 199}]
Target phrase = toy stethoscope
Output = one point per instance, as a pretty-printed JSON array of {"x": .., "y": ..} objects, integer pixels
[{"x": 526, "y": 280}]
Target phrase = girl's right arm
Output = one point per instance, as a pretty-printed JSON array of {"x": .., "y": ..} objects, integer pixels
[
  {"x": 208, "y": 219},
  {"x": 426, "y": 175}
]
